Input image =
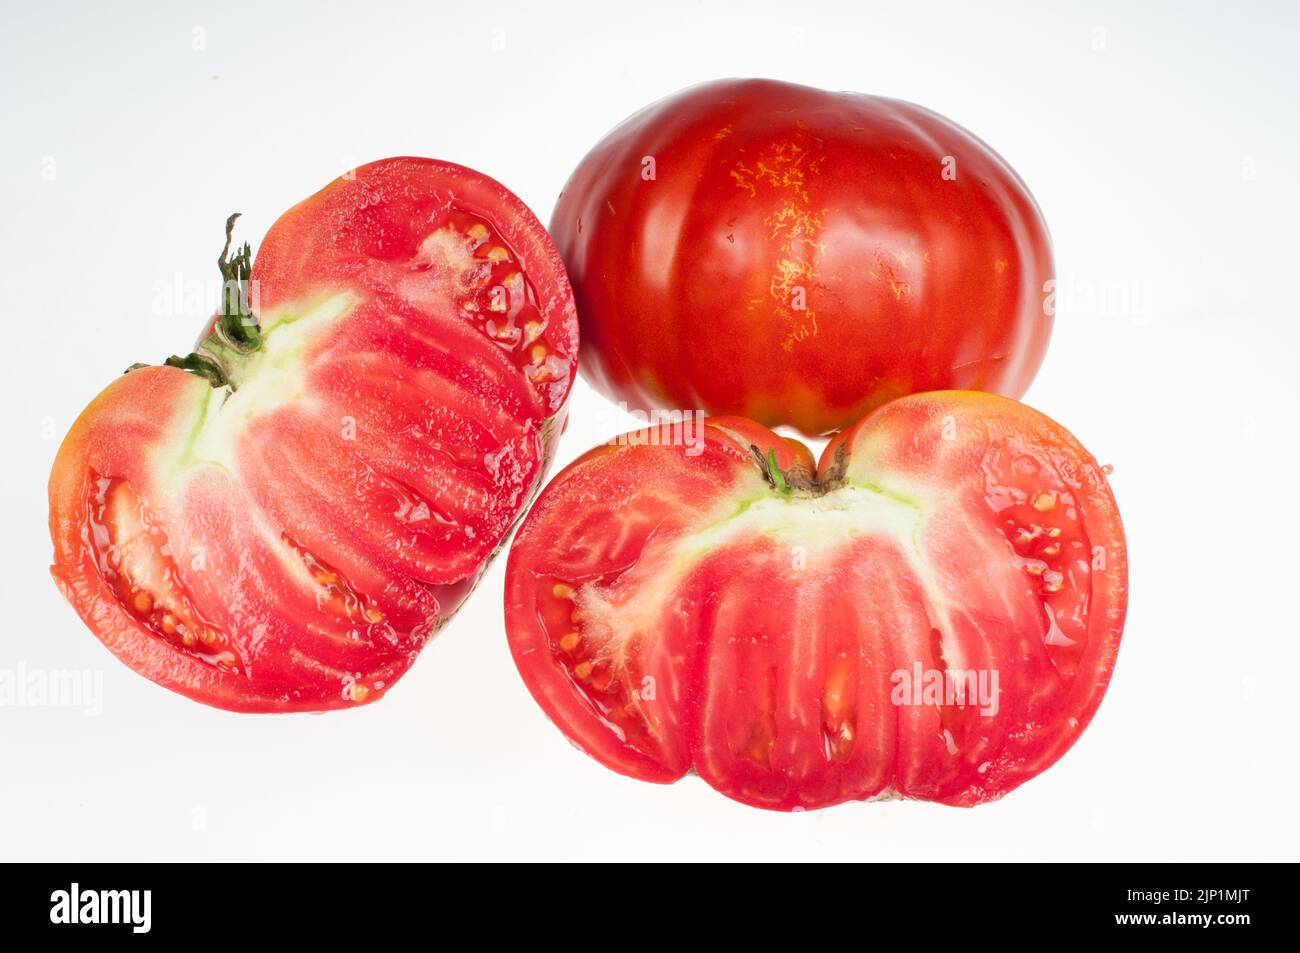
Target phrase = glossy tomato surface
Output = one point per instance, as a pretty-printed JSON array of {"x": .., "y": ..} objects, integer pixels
[
  {"x": 286, "y": 529},
  {"x": 799, "y": 257},
  {"x": 930, "y": 611}
]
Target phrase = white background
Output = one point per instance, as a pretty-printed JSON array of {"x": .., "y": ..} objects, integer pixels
[{"x": 1162, "y": 145}]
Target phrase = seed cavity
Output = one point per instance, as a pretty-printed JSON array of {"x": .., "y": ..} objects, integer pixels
[
  {"x": 136, "y": 560},
  {"x": 335, "y": 594},
  {"x": 495, "y": 295}
]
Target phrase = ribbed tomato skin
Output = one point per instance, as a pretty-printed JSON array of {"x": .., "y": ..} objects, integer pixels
[{"x": 798, "y": 257}]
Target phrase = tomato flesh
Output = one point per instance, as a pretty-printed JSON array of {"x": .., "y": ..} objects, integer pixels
[
  {"x": 934, "y": 614},
  {"x": 290, "y": 538}
]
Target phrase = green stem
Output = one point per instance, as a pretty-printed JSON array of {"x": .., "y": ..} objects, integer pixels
[
  {"x": 235, "y": 333},
  {"x": 237, "y": 320},
  {"x": 797, "y": 478},
  {"x": 779, "y": 482},
  {"x": 199, "y": 364}
]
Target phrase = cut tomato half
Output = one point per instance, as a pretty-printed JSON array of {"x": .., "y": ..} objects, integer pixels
[
  {"x": 282, "y": 519},
  {"x": 931, "y": 611}
]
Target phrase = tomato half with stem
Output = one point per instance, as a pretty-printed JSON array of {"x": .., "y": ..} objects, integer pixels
[
  {"x": 283, "y": 518},
  {"x": 799, "y": 257},
  {"x": 932, "y": 610}
]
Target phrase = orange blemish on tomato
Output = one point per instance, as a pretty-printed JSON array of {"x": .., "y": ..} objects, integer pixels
[
  {"x": 744, "y": 178},
  {"x": 780, "y": 166},
  {"x": 796, "y": 228},
  {"x": 800, "y": 226}
]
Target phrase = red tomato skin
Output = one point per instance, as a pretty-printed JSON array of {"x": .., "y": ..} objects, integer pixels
[
  {"x": 326, "y": 533},
  {"x": 800, "y": 256}
]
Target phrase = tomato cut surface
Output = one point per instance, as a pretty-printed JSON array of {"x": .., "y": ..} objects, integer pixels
[
  {"x": 281, "y": 520},
  {"x": 930, "y": 611}
]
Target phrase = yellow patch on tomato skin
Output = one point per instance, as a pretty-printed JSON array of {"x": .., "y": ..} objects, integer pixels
[
  {"x": 783, "y": 165},
  {"x": 791, "y": 274},
  {"x": 797, "y": 229},
  {"x": 744, "y": 179},
  {"x": 786, "y": 166},
  {"x": 899, "y": 287},
  {"x": 798, "y": 225}
]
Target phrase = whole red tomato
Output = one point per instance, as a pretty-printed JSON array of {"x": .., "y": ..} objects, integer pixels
[
  {"x": 799, "y": 257},
  {"x": 930, "y": 611},
  {"x": 281, "y": 520}
]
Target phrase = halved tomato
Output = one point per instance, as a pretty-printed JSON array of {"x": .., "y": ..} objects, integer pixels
[
  {"x": 282, "y": 519},
  {"x": 930, "y": 611}
]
